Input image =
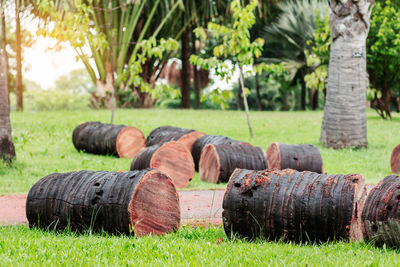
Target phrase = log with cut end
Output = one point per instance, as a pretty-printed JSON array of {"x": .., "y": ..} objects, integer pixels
[
  {"x": 395, "y": 160},
  {"x": 217, "y": 162},
  {"x": 296, "y": 157},
  {"x": 293, "y": 206},
  {"x": 205, "y": 140},
  {"x": 165, "y": 134},
  {"x": 381, "y": 213},
  {"x": 108, "y": 139},
  {"x": 172, "y": 158},
  {"x": 144, "y": 201}
]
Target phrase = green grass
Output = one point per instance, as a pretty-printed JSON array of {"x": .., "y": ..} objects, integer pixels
[
  {"x": 20, "y": 246},
  {"x": 43, "y": 141}
]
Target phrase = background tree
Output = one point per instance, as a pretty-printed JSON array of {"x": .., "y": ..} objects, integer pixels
[{"x": 345, "y": 119}]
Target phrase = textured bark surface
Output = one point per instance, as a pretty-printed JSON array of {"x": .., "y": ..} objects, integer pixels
[
  {"x": 108, "y": 139},
  {"x": 381, "y": 213},
  {"x": 145, "y": 201},
  {"x": 345, "y": 123},
  {"x": 395, "y": 160},
  {"x": 205, "y": 140},
  {"x": 293, "y": 206},
  {"x": 172, "y": 158},
  {"x": 185, "y": 72},
  {"x": 217, "y": 162},
  {"x": 296, "y": 157},
  {"x": 7, "y": 150},
  {"x": 165, "y": 134}
]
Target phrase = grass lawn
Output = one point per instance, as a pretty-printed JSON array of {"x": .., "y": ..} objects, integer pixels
[{"x": 43, "y": 141}]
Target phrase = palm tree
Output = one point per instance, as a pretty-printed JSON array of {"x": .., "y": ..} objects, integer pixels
[
  {"x": 345, "y": 119},
  {"x": 287, "y": 39}
]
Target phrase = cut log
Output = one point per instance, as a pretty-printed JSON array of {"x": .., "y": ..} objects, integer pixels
[
  {"x": 205, "y": 140},
  {"x": 381, "y": 213},
  {"x": 145, "y": 202},
  {"x": 296, "y": 157},
  {"x": 293, "y": 206},
  {"x": 172, "y": 158},
  {"x": 217, "y": 162},
  {"x": 108, "y": 139},
  {"x": 395, "y": 160},
  {"x": 165, "y": 134}
]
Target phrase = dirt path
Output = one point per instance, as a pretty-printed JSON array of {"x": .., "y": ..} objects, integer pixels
[{"x": 197, "y": 208}]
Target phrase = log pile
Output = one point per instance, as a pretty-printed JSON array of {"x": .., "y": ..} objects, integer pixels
[
  {"x": 293, "y": 206},
  {"x": 395, "y": 160},
  {"x": 108, "y": 139},
  {"x": 205, "y": 140},
  {"x": 165, "y": 134},
  {"x": 296, "y": 157},
  {"x": 143, "y": 201},
  {"x": 172, "y": 158},
  {"x": 217, "y": 162}
]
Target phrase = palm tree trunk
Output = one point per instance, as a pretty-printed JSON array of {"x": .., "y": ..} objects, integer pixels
[
  {"x": 197, "y": 90},
  {"x": 19, "y": 84},
  {"x": 344, "y": 123},
  {"x": 185, "y": 74},
  {"x": 7, "y": 150},
  {"x": 303, "y": 89}
]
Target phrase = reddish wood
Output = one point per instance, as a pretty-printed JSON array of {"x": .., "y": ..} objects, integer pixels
[
  {"x": 172, "y": 158},
  {"x": 143, "y": 201},
  {"x": 296, "y": 157},
  {"x": 293, "y": 206},
  {"x": 381, "y": 213},
  {"x": 395, "y": 160},
  {"x": 108, "y": 139},
  {"x": 217, "y": 162}
]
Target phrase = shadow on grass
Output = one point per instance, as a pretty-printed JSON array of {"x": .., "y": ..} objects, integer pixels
[{"x": 378, "y": 118}]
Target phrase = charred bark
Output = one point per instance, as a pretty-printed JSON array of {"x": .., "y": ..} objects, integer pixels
[
  {"x": 217, "y": 162},
  {"x": 172, "y": 158},
  {"x": 108, "y": 139},
  {"x": 297, "y": 157},
  {"x": 381, "y": 213},
  {"x": 293, "y": 206},
  {"x": 165, "y": 134},
  {"x": 145, "y": 202},
  {"x": 205, "y": 140},
  {"x": 395, "y": 160}
]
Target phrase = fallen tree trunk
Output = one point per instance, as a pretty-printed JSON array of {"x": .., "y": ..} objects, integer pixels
[
  {"x": 205, "y": 140},
  {"x": 395, "y": 160},
  {"x": 296, "y": 157},
  {"x": 108, "y": 139},
  {"x": 293, "y": 206},
  {"x": 145, "y": 202},
  {"x": 165, "y": 134},
  {"x": 172, "y": 158},
  {"x": 217, "y": 162},
  {"x": 381, "y": 216}
]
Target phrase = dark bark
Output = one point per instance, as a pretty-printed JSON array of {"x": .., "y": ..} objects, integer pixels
[
  {"x": 297, "y": 157},
  {"x": 258, "y": 92},
  {"x": 239, "y": 98},
  {"x": 108, "y": 139},
  {"x": 381, "y": 216},
  {"x": 19, "y": 85},
  {"x": 197, "y": 90},
  {"x": 133, "y": 203},
  {"x": 205, "y": 140},
  {"x": 185, "y": 74},
  {"x": 293, "y": 206},
  {"x": 217, "y": 162},
  {"x": 172, "y": 158},
  {"x": 313, "y": 98},
  {"x": 395, "y": 160},
  {"x": 303, "y": 89}
]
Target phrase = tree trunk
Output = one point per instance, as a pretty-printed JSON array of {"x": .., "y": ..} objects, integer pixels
[
  {"x": 217, "y": 162},
  {"x": 313, "y": 98},
  {"x": 172, "y": 158},
  {"x": 108, "y": 139},
  {"x": 345, "y": 119},
  {"x": 294, "y": 206},
  {"x": 381, "y": 215},
  {"x": 7, "y": 150},
  {"x": 303, "y": 89},
  {"x": 395, "y": 160},
  {"x": 297, "y": 157},
  {"x": 246, "y": 106},
  {"x": 258, "y": 92},
  {"x": 19, "y": 85},
  {"x": 197, "y": 90},
  {"x": 185, "y": 73},
  {"x": 140, "y": 202},
  {"x": 200, "y": 143}
]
